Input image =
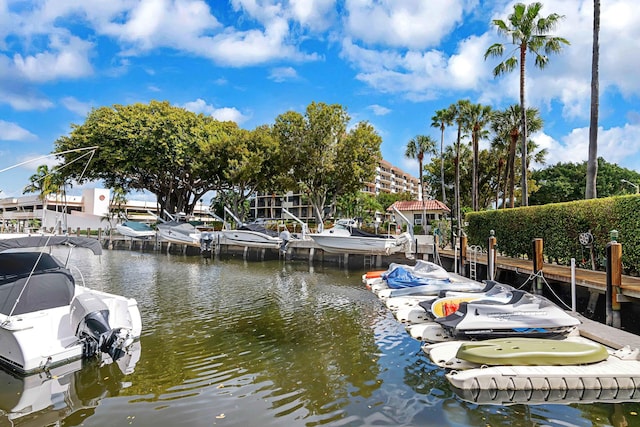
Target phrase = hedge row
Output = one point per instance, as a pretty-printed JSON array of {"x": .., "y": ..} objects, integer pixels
[{"x": 560, "y": 226}]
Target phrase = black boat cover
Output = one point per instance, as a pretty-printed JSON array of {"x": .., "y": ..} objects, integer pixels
[{"x": 51, "y": 285}]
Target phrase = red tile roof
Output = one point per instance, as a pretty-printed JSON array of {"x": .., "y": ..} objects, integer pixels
[{"x": 415, "y": 205}]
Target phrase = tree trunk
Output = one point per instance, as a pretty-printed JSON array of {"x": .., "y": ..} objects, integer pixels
[
  {"x": 592, "y": 163},
  {"x": 458, "y": 180},
  {"x": 525, "y": 191},
  {"x": 444, "y": 194}
]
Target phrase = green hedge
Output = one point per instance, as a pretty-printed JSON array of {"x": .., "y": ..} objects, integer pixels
[{"x": 560, "y": 225}]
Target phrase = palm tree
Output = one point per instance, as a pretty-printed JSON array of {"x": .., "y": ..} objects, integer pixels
[
  {"x": 441, "y": 119},
  {"x": 44, "y": 182},
  {"x": 416, "y": 149},
  {"x": 529, "y": 33},
  {"x": 458, "y": 111},
  {"x": 506, "y": 128},
  {"x": 592, "y": 163},
  {"x": 476, "y": 116}
]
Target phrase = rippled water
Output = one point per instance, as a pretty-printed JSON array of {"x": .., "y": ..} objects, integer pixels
[{"x": 234, "y": 343}]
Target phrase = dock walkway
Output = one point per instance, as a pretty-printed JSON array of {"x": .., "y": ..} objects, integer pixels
[{"x": 588, "y": 278}]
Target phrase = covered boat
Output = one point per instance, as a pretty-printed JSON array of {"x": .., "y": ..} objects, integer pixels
[
  {"x": 46, "y": 319},
  {"x": 254, "y": 235},
  {"x": 136, "y": 230},
  {"x": 524, "y": 314},
  {"x": 179, "y": 232}
]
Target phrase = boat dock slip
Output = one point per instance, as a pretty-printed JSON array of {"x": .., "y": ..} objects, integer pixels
[{"x": 606, "y": 335}]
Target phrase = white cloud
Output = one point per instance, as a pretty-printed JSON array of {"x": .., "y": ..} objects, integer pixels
[
  {"x": 315, "y": 14},
  {"x": 282, "y": 74},
  {"x": 76, "y": 106},
  {"x": 420, "y": 75},
  {"x": 415, "y": 24},
  {"x": 67, "y": 58},
  {"x": 379, "y": 110},
  {"x": 200, "y": 106},
  {"x": 13, "y": 132},
  {"x": 618, "y": 145}
]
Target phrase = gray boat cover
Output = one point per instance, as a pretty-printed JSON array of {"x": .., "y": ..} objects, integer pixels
[{"x": 46, "y": 241}]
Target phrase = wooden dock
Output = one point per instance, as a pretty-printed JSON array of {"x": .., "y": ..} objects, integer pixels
[{"x": 596, "y": 280}]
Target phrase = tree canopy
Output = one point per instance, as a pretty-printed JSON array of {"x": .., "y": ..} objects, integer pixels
[
  {"x": 323, "y": 159},
  {"x": 565, "y": 182},
  {"x": 155, "y": 147}
]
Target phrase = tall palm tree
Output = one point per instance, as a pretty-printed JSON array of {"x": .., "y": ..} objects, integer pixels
[
  {"x": 477, "y": 117},
  {"x": 592, "y": 162},
  {"x": 529, "y": 33},
  {"x": 416, "y": 149},
  {"x": 458, "y": 110},
  {"x": 506, "y": 128},
  {"x": 441, "y": 119}
]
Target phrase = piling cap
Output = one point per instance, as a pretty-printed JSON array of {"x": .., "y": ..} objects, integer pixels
[{"x": 613, "y": 234}]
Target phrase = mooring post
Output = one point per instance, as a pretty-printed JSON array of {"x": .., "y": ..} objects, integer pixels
[
  {"x": 538, "y": 264},
  {"x": 463, "y": 255},
  {"x": 491, "y": 255},
  {"x": 614, "y": 280}
]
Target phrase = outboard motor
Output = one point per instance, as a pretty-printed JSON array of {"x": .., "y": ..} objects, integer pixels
[
  {"x": 286, "y": 237},
  {"x": 90, "y": 320},
  {"x": 207, "y": 239}
]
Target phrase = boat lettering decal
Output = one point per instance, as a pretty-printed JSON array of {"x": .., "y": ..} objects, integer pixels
[{"x": 503, "y": 315}]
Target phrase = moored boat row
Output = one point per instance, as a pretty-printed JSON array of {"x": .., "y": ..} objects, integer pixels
[{"x": 494, "y": 338}]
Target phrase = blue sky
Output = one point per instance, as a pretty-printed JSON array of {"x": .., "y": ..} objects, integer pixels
[{"x": 390, "y": 62}]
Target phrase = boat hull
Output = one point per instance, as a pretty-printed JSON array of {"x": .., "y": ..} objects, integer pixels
[
  {"x": 37, "y": 341},
  {"x": 248, "y": 238}
]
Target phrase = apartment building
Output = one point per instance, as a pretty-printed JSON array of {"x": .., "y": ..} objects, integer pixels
[{"x": 388, "y": 179}]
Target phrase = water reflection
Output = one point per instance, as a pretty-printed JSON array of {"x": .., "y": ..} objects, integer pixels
[{"x": 70, "y": 392}]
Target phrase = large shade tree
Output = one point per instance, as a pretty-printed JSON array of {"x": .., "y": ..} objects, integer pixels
[
  {"x": 154, "y": 147},
  {"x": 529, "y": 33},
  {"x": 322, "y": 158},
  {"x": 250, "y": 160}
]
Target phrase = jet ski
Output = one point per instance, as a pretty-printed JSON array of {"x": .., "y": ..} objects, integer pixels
[
  {"x": 524, "y": 315},
  {"x": 434, "y": 288},
  {"x": 409, "y": 301},
  {"x": 448, "y": 302}
]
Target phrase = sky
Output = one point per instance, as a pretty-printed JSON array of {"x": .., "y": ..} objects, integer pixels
[{"x": 393, "y": 63}]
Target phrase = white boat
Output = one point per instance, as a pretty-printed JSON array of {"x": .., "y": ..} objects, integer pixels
[
  {"x": 46, "y": 319},
  {"x": 179, "y": 232},
  {"x": 342, "y": 239},
  {"x": 136, "y": 230},
  {"x": 254, "y": 235}
]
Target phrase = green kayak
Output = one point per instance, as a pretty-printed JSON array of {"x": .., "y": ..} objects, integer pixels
[{"x": 531, "y": 352}]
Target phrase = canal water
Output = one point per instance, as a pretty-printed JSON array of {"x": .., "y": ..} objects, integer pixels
[{"x": 235, "y": 343}]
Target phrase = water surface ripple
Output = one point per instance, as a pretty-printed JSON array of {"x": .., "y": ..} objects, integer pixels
[{"x": 234, "y": 343}]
